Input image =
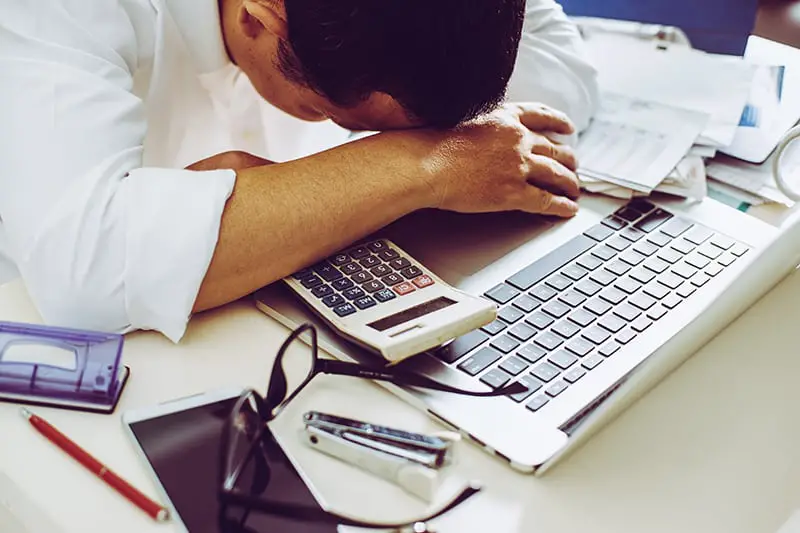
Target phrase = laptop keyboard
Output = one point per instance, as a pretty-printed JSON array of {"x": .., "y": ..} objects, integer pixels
[{"x": 565, "y": 314}]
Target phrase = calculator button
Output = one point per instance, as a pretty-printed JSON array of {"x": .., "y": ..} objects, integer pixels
[
  {"x": 311, "y": 281},
  {"x": 334, "y": 300},
  {"x": 365, "y": 302},
  {"x": 380, "y": 271},
  {"x": 351, "y": 268},
  {"x": 358, "y": 252},
  {"x": 377, "y": 246},
  {"x": 392, "y": 279},
  {"x": 352, "y": 294},
  {"x": 403, "y": 288},
  {"x": 322, "y": 291},
  {"x": 344, "y": 310},
  {"x": 370, "y": 261},
  {"x": 340, "y": 259},
  {"x": 361, "y": 277},
  {"x": 400, "y": 263},
  {"x": 373, "y": 286},
  {"x": 300, "y": 274},
  {"x": 423, "y": 281},
  {"x": 384, "y": 295},
  {"x": 388, "y": 254},
  {"x": 342, "y": 284},
  {"x": 327, "y": 271},
  {"x": 411, "y": 272}
]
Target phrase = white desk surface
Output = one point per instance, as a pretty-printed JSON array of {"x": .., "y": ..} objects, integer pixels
[{"x": 714, "y": 448}]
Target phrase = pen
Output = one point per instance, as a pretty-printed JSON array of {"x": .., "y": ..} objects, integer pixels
[{"x": 156, "y": 511}]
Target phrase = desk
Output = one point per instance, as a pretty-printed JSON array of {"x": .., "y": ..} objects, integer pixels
[{"x": 715, "y": 447}]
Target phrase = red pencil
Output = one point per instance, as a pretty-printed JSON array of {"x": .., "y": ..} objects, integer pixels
[{"x": 156, "y": 511}]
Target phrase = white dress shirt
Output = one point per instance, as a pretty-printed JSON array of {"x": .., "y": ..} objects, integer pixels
[{"x": 104, "y": 102}]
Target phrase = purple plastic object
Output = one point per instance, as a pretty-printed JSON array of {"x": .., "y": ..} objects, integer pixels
[{"x": 94, "y": 382}]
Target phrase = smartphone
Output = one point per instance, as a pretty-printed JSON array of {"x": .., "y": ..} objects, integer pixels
[{"x": 179, "y": 442}]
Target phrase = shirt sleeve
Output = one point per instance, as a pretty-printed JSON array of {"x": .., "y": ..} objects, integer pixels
[
  {"x": 552, "y": 66},
  {"x": 99, "y": 241}
]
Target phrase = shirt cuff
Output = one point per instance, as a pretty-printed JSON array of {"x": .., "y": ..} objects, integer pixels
[{"x": 172, "y": 219}]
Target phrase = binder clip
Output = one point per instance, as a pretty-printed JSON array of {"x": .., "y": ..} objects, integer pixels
[{"x": 410, "y": 460}]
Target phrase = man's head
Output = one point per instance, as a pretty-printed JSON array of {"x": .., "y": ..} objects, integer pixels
[{"x": 377, "y": 64}]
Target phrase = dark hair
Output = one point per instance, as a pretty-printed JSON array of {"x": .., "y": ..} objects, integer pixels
[{"x": 445, "y": 61}]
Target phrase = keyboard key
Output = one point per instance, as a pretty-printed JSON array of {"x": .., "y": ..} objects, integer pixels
[
  {"x": 574, "y": 272},
  {"x": 572, "y": 298},
  {"x": 536, "y": 272},
  {"x": 670, "y": 280},
  {"x": 642, "y": 301},
  {"x": 643, "y": 206},
  {"x": 589, "y": 262},
  {"x": 514, "y": 365},
  {"x": 642, "y": 275},
  {"x": 365, "y": 303},
  {"x": 657, "y": 312},
  {"x": 423, "y": 281},
  {"x": 494, "y": 327},
  {"x": 646, "y": 248},
  {"x": 522, "y": 331},
  {"x": 502, "y": 293},
  {"x": 609, "y": 349},
  {"x": 618, "y": 243},
  {"x": 698, "y": 235},
  {"x": 370, "y": 261},
  {"x": 392, "y": 279},
  {"x": 563, "y": 359},
  {"x": 686, "y": 290},
  {"x": 505, "y": 344},
  {"x": 543, "y": 293},
  {"x": 614, "y": 222},
  {"x": 351, "y": 268},
  {"x": 641, "y": 324},
  {"x": 358, "y": 252},
  {"x": 388, "y": 254},
  {"x": 627, "y": 213},
  {"x": 592, "y": 361},
  {"x": 626, "y": 336},
  {"x": 726, "y": 259},
  {"x": 710, "y": 251},
  {"x": 595, "y": 334},
  {"x": 344, "y": 310},
  {"x": 597, "y": 306},
  {"x": 612, "y": 323},
  {"x": 579, "y": 347},
  {"x": 603, "y": 277},
  {"x": 539, "y": 320},
  {"x": 533, "y": 385},
  {"x": 354, "y": 293},
  {"x": 380, "y": 271},
  {"x": 653, "y": 221},
  {"x": 479, "y": 361},
  {"x": 321, "y": 291},
  {"x": 604, "y": 252},
  {"x": 628, "y": 285},
  {"x": 656, "y": 290},
  {"x": 526, "y": 303},
  {"x": 713, "y": 269},
  {"x": 739, "y": 249},
  {"x": 582, "y": 318},
  {"x": 588, "y": 287},
  {"x": 377, "y": 246},
  {"x": 403, "y": 288},
  {"x": 632, "y": 257},
  {"x": 697, "y": 260},
  {"x": 684, "y": 270},
  {"x": 618, "y": 267},
  {"x": 574, "y": 374},
  {"x": 334, "y": 300},
  {"x": 531, "y": 352},
  {"x": 510, "y": 314},
  {"x": 411, "y": 272},
  {"x": 311, "y": 281},
  {"x": 670, "y": 255},
  {"x": 400, "y": 263},
  {"x": 495, "y": 378},
  {"x": 627, "y": 312},
  {"x": 545, "y": 372},
  {"x": 671, "y": 301},
  {"x": 659, "y": 239},
  {"x": 676, "y": 227},
  {"x": 559, "y": 282},
  {"x": 599, "y": 232},
  {"x": 721, "y": 241},
  {"x": 700, "y": 279},
  {"x": 612, "y": 295},
  {"x": 632, "y": 234},
  {"x": 566, "y": 329},
  {"x": 683, "y": 246},
  {"x": 548, "y": 341},
  {"x": 340, "y": 259},
  {"x": 556, "y": 309},
  {"x": 384, "y": 295},
  {"x": 362, "y": 277},
  {"x": 556, "y": 388},
  {"x": 537, "y": 403}
]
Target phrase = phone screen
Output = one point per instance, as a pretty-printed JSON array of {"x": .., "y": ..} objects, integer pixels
[{"x": 183, "y": 450}]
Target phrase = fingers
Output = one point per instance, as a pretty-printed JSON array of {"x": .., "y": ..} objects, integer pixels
[
  {"x": 538, "y": 117},
  {"x": 538, "y": 201},
  {"x": 563, "y": 154},
  {"x": 550, "y": 175}
]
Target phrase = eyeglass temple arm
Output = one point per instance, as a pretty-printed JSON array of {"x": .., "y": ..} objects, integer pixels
[{"x": 400, "y": 377}]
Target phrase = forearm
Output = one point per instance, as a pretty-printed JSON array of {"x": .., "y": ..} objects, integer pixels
[{"x": 283, "y": 217}]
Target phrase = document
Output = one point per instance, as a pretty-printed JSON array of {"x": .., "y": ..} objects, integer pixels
[
  {"x": 752, "y": 178},
  {"x": 635, "y": 143}
]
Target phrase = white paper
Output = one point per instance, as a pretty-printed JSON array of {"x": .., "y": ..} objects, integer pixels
[
  {"x": 754, "y": 179},
  {"x": 688, "y": 180},
  {"x": 635, "y": 143}
]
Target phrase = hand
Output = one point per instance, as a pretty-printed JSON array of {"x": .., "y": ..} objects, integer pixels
[
  {"x": 504, "y": 162},
  {"x": 235, "y": 160}
]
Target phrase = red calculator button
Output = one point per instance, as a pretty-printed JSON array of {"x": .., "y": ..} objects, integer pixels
[
  {"x": 403, "y": 288},
  {"x": 423, "y": 281}
]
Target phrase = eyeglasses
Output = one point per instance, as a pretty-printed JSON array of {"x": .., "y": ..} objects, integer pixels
[{"x": 246, "y": 442}]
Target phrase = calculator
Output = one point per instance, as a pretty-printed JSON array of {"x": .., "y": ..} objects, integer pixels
[{"x": 379, "y": 297}]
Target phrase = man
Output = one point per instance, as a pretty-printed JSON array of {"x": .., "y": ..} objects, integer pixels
[{"x": 136, "y": 183}]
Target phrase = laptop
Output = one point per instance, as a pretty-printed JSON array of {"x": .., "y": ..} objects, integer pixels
[{"x": 593, "y": 311}]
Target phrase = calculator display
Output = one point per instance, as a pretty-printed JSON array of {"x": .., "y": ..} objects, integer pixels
[{"x": 411, "y": 313}]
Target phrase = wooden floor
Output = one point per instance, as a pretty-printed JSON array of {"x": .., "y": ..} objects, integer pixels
[{"x": 779, "y": 20}]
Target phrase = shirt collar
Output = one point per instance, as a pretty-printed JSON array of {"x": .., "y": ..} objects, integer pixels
[{"x": 198, "y": 22}]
